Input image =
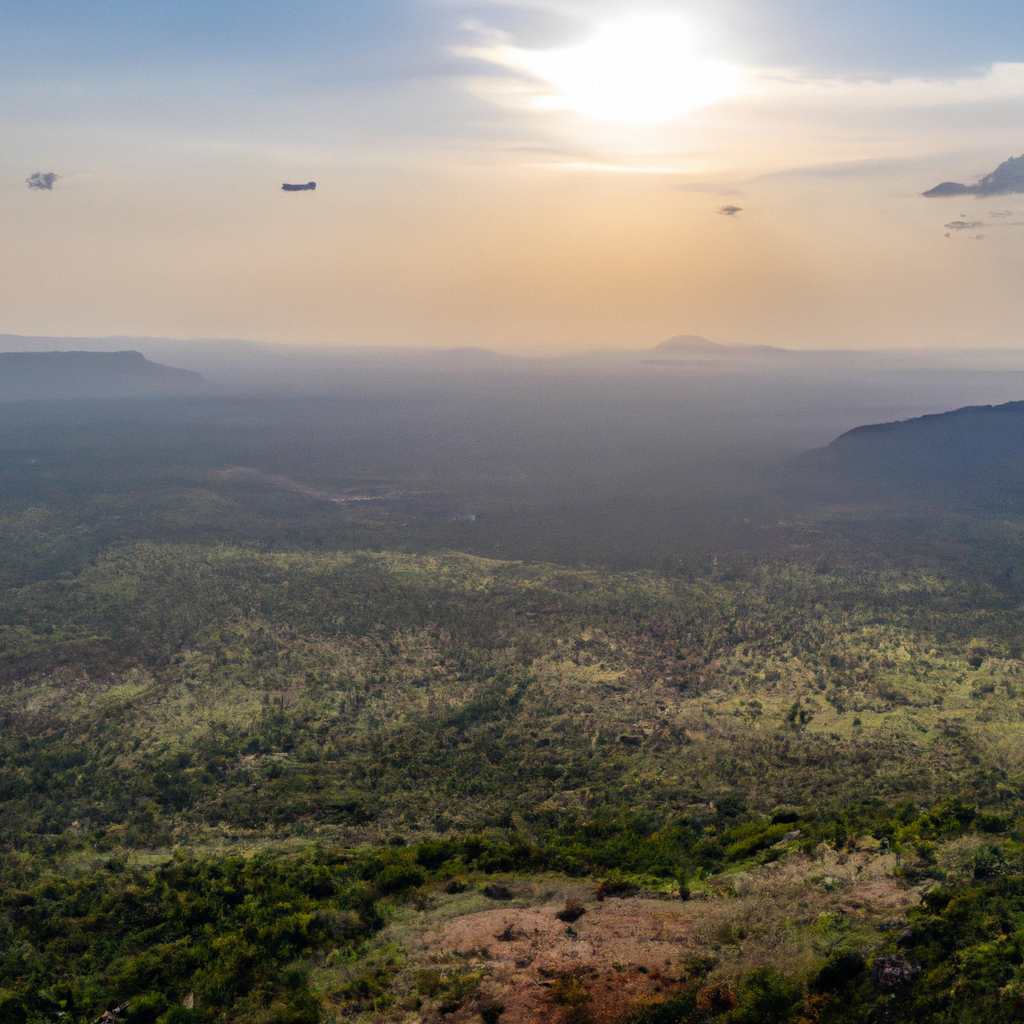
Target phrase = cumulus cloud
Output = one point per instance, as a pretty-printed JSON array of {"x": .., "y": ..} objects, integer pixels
[
  {"x": 1006, "y": 179},
  {"x": 308, "y": 187},
  {"x": 730, "y": 211},
  {"x": 42, "y": 180}
]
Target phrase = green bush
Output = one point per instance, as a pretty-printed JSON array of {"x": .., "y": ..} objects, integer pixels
[{"x": 766, "y": 997}]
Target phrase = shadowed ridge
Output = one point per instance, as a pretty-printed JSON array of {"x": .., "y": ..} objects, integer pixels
[
  {"x": 939, "y": 435},
  {"x": 28, "y": 376}
]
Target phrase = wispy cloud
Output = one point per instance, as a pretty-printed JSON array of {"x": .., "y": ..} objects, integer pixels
[
  {"x": 1002, "y": 81},
  {"x": 650, "y": 68},
  {"x": 649, "y": 92}
]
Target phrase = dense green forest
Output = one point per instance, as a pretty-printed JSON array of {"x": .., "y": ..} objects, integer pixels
[{"x": 262, "y": 755}]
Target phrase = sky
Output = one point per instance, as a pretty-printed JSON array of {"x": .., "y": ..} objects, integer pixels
[{"x": 536, "y": 176}]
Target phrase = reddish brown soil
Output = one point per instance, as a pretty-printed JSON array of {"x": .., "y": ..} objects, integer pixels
[{"x": 624, "y": 952}]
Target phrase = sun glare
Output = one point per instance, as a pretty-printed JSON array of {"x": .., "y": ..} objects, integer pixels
[{"x": 639, "y": 70}]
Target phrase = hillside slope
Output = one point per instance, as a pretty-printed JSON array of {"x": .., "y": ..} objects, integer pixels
[
  {"x": 941, "y": 444},
  {"x": 970, "y": 458}
]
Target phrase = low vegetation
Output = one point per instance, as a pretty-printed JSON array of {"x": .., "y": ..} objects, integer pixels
[{"x": 250, "y": 784}]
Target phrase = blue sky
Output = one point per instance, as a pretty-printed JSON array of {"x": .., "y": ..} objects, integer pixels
[
  {"x": 344, "y": 39},
  {"x": 472, "y": 130}
]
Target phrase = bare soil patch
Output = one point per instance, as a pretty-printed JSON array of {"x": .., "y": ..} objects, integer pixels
[{"x": 622, "y": 952}]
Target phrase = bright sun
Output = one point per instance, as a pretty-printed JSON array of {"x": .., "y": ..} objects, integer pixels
[{"x": 639, "y": 70}]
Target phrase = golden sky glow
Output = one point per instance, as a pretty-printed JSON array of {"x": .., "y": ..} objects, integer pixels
[{"x": 546, "y": 182}]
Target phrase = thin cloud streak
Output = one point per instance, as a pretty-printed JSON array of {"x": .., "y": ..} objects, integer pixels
[{"x": 1002, "y": 81}]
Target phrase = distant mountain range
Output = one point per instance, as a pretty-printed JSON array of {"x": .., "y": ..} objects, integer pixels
[
  {"x": 27, "y": 376},
  {"x": 234, "y": 364}
]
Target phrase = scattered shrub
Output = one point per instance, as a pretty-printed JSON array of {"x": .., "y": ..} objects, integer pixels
[
  {"x": 572, "y": 911},
  {"x": 497, "y": 891}
]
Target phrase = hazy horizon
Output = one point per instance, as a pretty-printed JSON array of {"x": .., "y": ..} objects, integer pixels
[{"x": 32, "y": 342}]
